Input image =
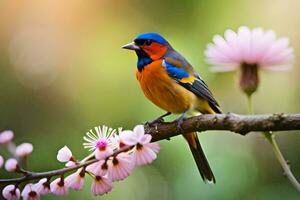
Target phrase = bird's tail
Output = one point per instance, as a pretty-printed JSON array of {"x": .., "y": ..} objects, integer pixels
[{"x": 200, "y": 159}]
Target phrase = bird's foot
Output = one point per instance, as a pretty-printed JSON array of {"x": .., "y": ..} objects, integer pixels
[
  {"x": 180, "y": 120},
  {"x": 157, "y": 121},
  {"x": 179, "y": 123}
]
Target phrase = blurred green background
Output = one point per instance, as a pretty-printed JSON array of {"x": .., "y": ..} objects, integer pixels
[{"x": 62, "y": 72}]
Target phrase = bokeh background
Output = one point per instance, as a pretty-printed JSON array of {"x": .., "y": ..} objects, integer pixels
[{"x": 62, "y": 72}]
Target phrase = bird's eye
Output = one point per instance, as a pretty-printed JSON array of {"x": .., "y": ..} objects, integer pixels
[
  {"x": 148, "y": 42},
  {"x": 139, "y": 42}
]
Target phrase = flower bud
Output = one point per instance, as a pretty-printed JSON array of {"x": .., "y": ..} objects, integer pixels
[
  {"x": 64, "y": 154},
  {"x": 11, "y": 165},
  {"x": 24, "y": 149},
  {"x": 6, "y": 137}
]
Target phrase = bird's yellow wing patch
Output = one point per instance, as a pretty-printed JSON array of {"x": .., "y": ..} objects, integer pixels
[{"x": 189, "y": 79}]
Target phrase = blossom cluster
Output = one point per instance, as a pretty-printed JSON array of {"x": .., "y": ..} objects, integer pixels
[
  {"x": 21, "y": 151},
  {"x": 113, "y": 158}
]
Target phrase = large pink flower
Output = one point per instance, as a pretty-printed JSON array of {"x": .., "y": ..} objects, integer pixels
[
  {"x": 253, "y": 47},
  {"x": 144, "y": 152},
  {"x": 249, "y": 50}
]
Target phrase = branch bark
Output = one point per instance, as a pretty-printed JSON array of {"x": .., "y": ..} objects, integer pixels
[{"x": 240, "y": 124}]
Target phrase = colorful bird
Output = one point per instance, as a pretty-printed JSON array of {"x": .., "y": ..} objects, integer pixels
[{"x": 170, "y": 82}]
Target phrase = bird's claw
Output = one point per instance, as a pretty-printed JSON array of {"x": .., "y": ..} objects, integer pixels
[
  {"x": 155, "y": 122},
  {"x": 179, "y": 123},
  {"x": 180, "y": 120}
]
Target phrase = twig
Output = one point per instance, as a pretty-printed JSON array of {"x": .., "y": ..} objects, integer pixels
[{"x": 39, "y": 175}]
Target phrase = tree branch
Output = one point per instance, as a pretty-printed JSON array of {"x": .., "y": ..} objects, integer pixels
[
  {"x": 240, "y": 124},
  {"x": 39, "y": 175}
]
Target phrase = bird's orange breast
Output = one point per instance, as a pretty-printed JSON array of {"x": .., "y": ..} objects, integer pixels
[{"x": 163, "y": 91}]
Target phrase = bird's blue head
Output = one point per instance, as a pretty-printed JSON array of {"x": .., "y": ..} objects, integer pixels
[
  {"x": 148, "y": 47},
  {"x": 154, "y": 37}
]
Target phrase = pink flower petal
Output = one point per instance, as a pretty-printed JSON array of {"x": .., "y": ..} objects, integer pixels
[
  {"x": 143, "y": 155},
  {"x": 120, "y": 167},
  {"x": 254, "y": 47},
  {"x": 103, "y": 153},
  {"x": 64, "y": 154},
  {"x": 30, "y": 192},
  {"x": 43, "y": 186},
  {"x": 58, "y": 187},
  {"x": 76, "y": 180},
  {"x": 154, "y": 146},
  {"x": 99, "y": 168},
  {"x": 128, "y": 138},
  {"x": 145, "y": 139},
  {"x": 101, "y": 185},
  {"x": 139, "y": 131}
]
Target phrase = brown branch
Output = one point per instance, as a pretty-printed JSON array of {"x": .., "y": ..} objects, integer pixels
[
  {"x": 39, "y": 175},
  {"x": 240, "y": 124}
]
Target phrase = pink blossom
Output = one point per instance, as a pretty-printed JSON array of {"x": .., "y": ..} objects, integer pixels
[
  {"x": 6, "y": 137},
  {"x": 58, "y": 187},
  {"x": 131, "y": 138},
  {"x": 102, "y": 142},
  {"x": 43, "y": 186},
  {"x": 10, "y": 192},
  {"x": 24, "y": 149},
  {"x": 11, "y": 165},
  {"x": 143, "y": 155},
  {"x": 30, "y": 192},
  {"x": 1, "y": 161},
  {"x": 99, "y": 168},
  {"x": 101, "y": 185},
  {"x": 144, "y": 151},
  {"x": 65, "y": 155},
  {"x": 251, "y": 47},
  {"x": 120, "y": 167},
  {"x": 75, "y": 180}
]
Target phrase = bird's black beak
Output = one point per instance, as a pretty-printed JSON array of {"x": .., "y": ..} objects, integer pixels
[{"x": 131, "y": 46}]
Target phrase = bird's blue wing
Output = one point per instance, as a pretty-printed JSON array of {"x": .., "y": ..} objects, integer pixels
[{"x": 182, "y": 72}]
